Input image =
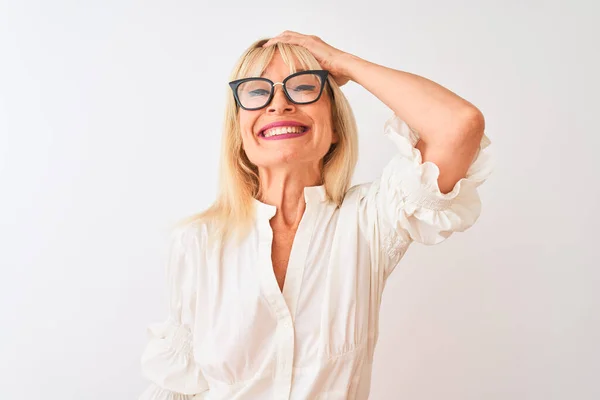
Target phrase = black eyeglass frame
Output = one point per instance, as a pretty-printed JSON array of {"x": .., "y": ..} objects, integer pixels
[{"x": 321, "y": 73}]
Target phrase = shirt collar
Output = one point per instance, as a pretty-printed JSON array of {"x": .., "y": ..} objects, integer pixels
[{"x": 312, "y": 194}]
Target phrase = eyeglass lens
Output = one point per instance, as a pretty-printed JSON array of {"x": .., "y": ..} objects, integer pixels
[{"x": 303, "y": 88}]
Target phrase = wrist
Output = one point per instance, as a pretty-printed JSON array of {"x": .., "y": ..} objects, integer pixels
[{"x": 349, "y": 64}]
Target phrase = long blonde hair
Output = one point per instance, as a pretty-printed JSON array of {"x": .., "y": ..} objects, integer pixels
[{"x": 233, "y": 210}]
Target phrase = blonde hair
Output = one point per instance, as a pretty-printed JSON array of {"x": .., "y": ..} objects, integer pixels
[{"x": 233, "y": 210}]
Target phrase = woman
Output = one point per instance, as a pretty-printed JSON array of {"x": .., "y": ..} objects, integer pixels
[{"x": 275, "y": 290}]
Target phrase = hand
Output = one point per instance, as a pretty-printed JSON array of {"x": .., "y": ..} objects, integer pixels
[{"x": 329, "y": 57}]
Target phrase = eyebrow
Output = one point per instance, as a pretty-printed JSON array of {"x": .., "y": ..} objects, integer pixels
[{"x": 297, "y": 70}]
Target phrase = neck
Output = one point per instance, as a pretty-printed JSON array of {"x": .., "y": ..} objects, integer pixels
[{"x": 284, "y": 189}]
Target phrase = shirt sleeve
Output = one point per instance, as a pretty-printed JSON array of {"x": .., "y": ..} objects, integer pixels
[
  {"x": 405, "y": 204},
  {"x": 168, "y": 360}
]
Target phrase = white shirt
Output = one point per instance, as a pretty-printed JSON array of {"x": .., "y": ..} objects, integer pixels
[{"x": 233, "y": 335}]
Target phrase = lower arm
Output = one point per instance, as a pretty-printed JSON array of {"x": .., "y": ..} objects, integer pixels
[{"x": 426, "y": 106}]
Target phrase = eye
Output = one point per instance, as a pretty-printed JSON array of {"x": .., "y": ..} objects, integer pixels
[
  {"x": 258, "y": 92},
  {"x": 304, "y": 88}
]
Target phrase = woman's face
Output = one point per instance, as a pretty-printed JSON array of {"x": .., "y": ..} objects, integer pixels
[{"x": 298, "y": 148}]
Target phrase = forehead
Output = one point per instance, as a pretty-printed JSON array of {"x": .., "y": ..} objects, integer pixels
[{"x": 278, "y": 69}]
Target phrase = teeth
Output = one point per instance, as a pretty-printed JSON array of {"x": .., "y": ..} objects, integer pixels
[{"x": 281, "y": 130}]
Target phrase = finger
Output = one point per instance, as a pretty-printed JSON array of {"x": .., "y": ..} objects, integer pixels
[
  {"x": 292, "y": 33},
  {"x": 270, "y": 42},
  {"x": 287, "y": 37},
  {"x": 281, "y": 39},
  {"x": 273, "y": 40}
]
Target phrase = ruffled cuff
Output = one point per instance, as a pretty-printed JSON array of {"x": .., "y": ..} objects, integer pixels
[
  {"x": 155, "y": 392},
  {"x": 169, "y": 363},
  {"x": 427, "y": 214}
]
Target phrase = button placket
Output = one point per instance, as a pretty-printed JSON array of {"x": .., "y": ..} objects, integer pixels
[
  {"x": 284, "y": 304},
  {"x": 284, "y": 348}
]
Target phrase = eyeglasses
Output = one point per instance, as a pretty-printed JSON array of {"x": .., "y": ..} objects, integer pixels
[{"x": 303, "y": 87}]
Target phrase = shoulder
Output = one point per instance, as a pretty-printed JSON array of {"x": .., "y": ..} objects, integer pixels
[
  {"x": 189, "y": 232},
  {"x": 357, "y": 192}
]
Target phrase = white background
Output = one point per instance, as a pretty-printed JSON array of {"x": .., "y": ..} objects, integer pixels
[{"x": 110, "y": 124}]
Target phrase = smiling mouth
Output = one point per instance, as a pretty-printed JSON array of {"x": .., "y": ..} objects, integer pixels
[{"x": 283, "y": 130}]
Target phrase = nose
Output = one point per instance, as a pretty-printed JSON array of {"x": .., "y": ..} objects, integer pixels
[{"x": 280, "y": 102}]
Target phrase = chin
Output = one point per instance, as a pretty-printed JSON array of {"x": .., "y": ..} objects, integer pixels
[
  {"x": 300, "y": 154},
  {"x": 286, "y": 160}
]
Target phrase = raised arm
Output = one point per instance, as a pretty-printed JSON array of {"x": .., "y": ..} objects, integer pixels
[{"x": 450, "y": 128}]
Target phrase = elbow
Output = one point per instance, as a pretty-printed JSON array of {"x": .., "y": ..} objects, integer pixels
[
  {"x": 472, "y": 123},
  {"x": 467, "y": 125}
]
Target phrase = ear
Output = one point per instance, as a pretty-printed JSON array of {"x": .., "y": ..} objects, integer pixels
[{"x": 335, "y": 137}]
